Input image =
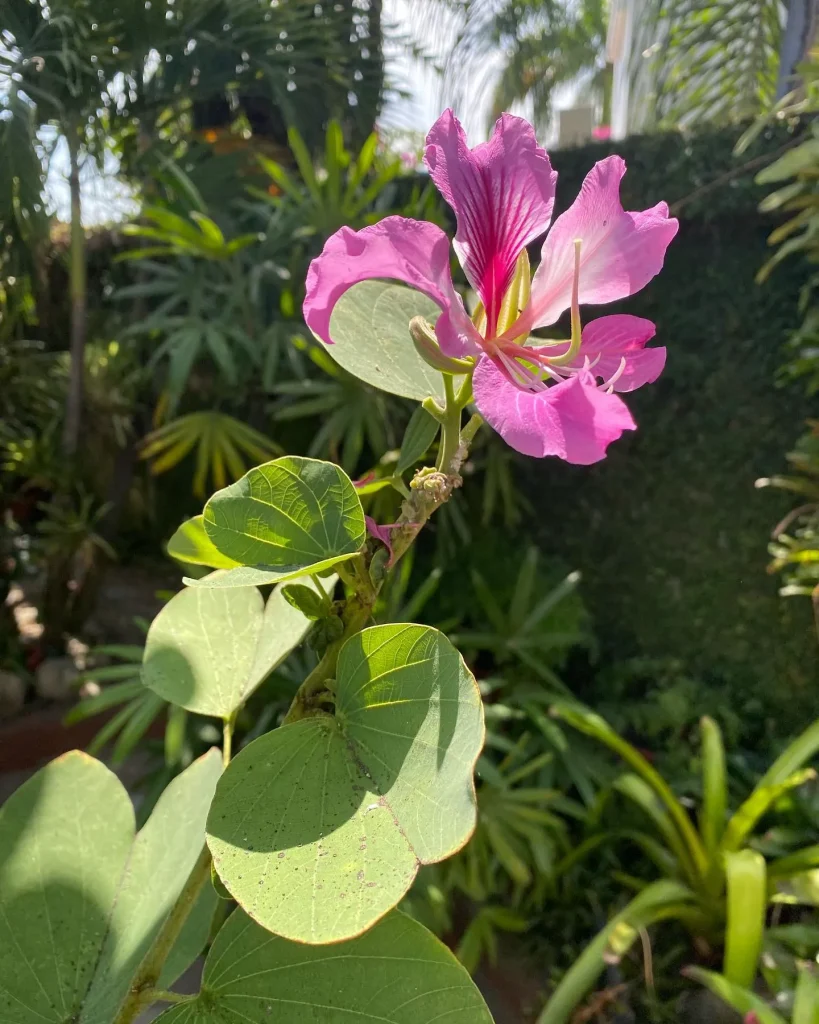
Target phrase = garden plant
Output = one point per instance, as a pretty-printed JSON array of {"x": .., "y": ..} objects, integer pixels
[{"x": 317, "y": 828}]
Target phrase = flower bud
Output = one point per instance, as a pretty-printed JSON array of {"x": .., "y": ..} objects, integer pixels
[{"x": 426, "y": 345}]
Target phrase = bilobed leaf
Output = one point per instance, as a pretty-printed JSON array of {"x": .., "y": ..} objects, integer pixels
[
  {"x": 285, "y": 518},
  {"x": 191, "y": 544},
  {"x": 81, "y": 897},
  {"x": 208, "y": 650},
  {"x": 355, "y": 803},
  {"x": 370, "y": 330},
  {"x": 397, "y": 972}
]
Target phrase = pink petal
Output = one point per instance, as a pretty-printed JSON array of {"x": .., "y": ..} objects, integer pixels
[
  {"x": 610, "y": 339},
  {"x": 575, "y": 420},
  {"x": 502, "y": 193},
  {"x": 620, "y": 251},
  {"x": 411, "y": 251}
]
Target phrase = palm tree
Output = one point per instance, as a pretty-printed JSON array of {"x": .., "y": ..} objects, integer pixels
[
  {"x": 543, "y": 45},
  {"x": 715, "y": 61},
  {"x": 137, "y": 76}
]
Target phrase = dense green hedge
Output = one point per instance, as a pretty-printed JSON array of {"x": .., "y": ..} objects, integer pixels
[{"x": 669, "y": 531}]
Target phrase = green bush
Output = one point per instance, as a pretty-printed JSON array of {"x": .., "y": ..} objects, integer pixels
[{"x": 668, "y": 531}]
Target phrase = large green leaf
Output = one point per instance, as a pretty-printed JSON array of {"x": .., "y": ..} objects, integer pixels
[
  {"x": 353, "y": 804},
  {"x": 398, "y": 972},
  {"x": 370, "y": 328},
  {"x": 283, "y": 519},
  {"x": 208, "y": 650},
  {"x": 192, "y": 545},
  {"x": 81, "y": 897}
]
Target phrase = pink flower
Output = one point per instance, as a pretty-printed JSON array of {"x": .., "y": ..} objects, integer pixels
[
  {"x": 544, "y": 398},
  {"x": 602, "y": 132}
]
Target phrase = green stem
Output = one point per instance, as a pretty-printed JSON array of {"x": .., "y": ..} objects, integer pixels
[
  {"x": 227, "y": 738},
  {"x": 160, "y": 996},
  {"x": 143, "y": 986},
  {"x": 429, "y": 490},
  {"x": 356, "y": 616},
  {"x": 471, "y": 429},
  {"x": 450, "y": 426}
]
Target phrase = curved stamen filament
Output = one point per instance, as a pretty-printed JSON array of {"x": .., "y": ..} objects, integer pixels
[{"x": 618, "y": 373}]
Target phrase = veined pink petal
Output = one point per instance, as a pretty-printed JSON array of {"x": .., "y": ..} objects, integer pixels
[
  {"x": 615, "y": 347},
  {"x": 619, "y": 254},
  {"x": 575, "y": 420},
  {"x": 411, "y": 251},
  {"x": 502, "y": 193}
]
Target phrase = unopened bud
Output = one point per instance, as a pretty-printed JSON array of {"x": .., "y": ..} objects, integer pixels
[{"x": 426, "y": 345}]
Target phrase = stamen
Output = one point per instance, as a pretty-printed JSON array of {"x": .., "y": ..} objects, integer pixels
[
  {"x": 618, "y": 373},
  {"x": 518, "y": 374},
  {"x": 517, "y": 294}
]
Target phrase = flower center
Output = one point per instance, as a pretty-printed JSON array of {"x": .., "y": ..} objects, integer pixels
[{"x": 534, "y": 367}]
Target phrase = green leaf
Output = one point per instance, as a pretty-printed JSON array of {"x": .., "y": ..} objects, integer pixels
[
  {"x": 740, "y": 998},
  {"x": 806, "y": 997},
  {"x": 747, "y": 898},
  {"x": 641, "y": 793},
  {"x": 283, "y": 519},
  {"x": 714, "y": 786},
  {"x": 806, "y": 859},
  {"x": 593, "y": 725},
  {"x": 307, "y": 600},
  {"x": 421, "y": 431},
  {"x": 370, "y": 330},
  {"x": 208, "y": 650},
  {"x": 802, "y": 749},
  {"x": 802, "y": 158},
  {"x": 656, "y": 900},
  {"x": 397, "y": 972},
  {"x": 81, "y": 897},
  {"x": 758, "y": 803},
  {"x": 354, "y": 804}
]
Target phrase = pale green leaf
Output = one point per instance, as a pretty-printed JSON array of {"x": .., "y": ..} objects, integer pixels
[
  {"x": 398, "y": 972},
  {"x": 354, "y": 804},
  {"x": 81, "y": 897},
  {"x": 191, "y": 544},
  {"x": 370, "y": 330},
  {"x": 162, "y": 857},
  {"x": 208, "y": 650}
]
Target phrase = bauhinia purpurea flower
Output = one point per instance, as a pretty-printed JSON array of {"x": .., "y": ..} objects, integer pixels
[{"x": 543, "y": 397}]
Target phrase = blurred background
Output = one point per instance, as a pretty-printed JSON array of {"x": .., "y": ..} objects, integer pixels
[{"x": 168, "y": 169}]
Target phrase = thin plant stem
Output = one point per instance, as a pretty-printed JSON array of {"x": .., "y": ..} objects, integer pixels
[
  {"x": 227, "y": 739},
  {"x": 141, "y": 992},
  {"x": 450, "y": 426},
  {"x": 159, "y": 996}
]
